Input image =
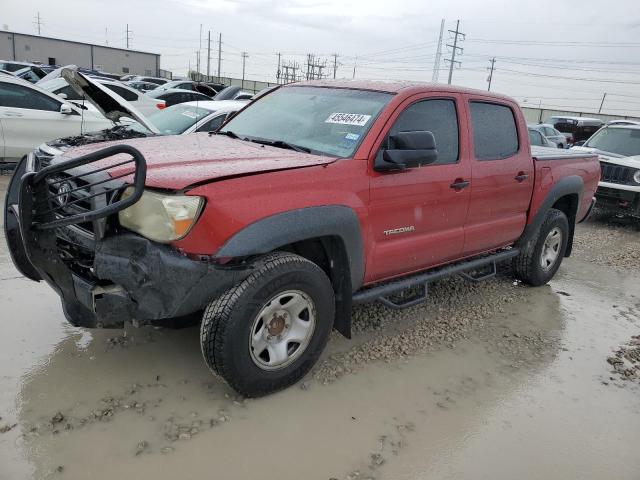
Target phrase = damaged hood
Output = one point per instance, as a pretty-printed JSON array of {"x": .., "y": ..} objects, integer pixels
[
  {"x": 177, "y": 162},
  {"x": 111, "y": 105}
]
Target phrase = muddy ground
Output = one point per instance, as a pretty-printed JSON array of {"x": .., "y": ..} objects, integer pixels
[{"x": 495, "y": 380}]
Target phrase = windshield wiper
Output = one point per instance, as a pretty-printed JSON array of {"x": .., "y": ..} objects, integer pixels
[
  {"x": 280, "y": 144},
  {"x": 228, "y": 133}
]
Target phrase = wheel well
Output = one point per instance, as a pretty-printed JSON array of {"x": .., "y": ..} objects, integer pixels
[
  {"x": 568, "y": 204},
  {"x": 330, "y": 254}
]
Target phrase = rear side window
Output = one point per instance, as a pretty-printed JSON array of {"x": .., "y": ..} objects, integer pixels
[
  {"x": 437, "y": 116},
  {"x": 17, "y": 96},
  {"x": 494, "y": 131}
]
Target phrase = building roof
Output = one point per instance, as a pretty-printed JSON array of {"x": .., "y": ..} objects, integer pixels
[{"x": 77, "y": 42}]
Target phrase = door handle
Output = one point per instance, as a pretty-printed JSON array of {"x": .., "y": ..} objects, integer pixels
[
  {"x": 13, "y": 114},
  {"x": 521, "y": 177},
  {"x": 459, "y": 184}
]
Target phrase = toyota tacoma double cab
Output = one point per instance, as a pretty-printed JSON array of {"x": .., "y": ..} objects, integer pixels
[{"x": 313, "y": 197}]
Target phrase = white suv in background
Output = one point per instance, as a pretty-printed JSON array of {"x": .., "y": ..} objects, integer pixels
[
  {"x": 143, "y": 103},
  {"x": 30, "y": 115},
  {"x": 618, "y": 147}
]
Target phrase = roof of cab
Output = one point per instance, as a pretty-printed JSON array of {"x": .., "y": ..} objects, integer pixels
[{"x": 397, "y": 86}]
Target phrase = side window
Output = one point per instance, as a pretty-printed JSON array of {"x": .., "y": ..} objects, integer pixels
[
  {"x": 17, "y": 96},
  {"x": 438, "y": 117},
  {"x": 213, "y": 124},
  {"x": 123, "y": 92},
  {"x": 535, "y": 138},
  {"x": 185, "y": 86},
  {"x": 495, "y": 136}
]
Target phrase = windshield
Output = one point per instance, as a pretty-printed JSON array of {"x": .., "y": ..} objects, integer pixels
[
  {"x": 173, "y": 120},
  {"x": 621, "y": 141},
  {"x": 329, "y": 121}
]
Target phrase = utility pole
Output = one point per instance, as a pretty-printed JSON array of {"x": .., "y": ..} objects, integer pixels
[
  {"x": 436, "y": 63},
  {"x": 38, "y": 22},
  {"x": 129, "y": 32},
  {"x": 106, "y": 36},
  {"x": 335, "y": 65},
  {"x": 196, "y": 74},
  {"x": 602, "y": 102},
  {"x": 278, "y": 71},
  {"x": 454, "y": 49},
  {"x": 208, "y": 54},
  {"x": 219, "y": 54},
  {"x": 199, "y": 50},
  {"x": 245, "y": 55},
  {"x": 491, "y": 69},
  {"x": 354, "y": 67}
]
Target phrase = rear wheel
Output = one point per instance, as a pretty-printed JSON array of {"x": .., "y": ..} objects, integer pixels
[
  {"x": 541, "y": 256},
  {"x": 267, "y": 332}
]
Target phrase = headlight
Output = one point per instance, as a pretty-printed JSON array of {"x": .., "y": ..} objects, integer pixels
[
  {"x": 159, "y": 216},
  {"x": 636, "y": 176}
]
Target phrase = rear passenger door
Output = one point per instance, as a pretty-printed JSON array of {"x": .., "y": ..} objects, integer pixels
[
  {"x": 417, "y": 216},
  {"x": 501, "y": 176}
]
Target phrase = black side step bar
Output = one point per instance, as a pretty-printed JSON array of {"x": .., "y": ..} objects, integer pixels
[{"x": 381, "y": 292}]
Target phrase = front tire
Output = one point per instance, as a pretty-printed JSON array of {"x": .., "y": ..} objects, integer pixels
[
  {"x": 267, "y": 332},
  {"x": 541, "y": 256}
]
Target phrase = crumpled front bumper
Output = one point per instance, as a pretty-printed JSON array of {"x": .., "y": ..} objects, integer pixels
[{"x": 132, "y": 279}]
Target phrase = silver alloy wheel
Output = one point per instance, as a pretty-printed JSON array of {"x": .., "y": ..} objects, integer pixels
[
  {"x": 282, "y": 330},
  {"x": 551, "y": 249}
]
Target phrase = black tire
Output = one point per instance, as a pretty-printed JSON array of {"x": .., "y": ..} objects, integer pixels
[
  {"x": 528, "y": 264},
  {"x": 560, "y": 145},
  {"x": 228, "y": 321}
]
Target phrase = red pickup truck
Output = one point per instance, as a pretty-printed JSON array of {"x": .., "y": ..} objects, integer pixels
[{"x": 313, "y": 197}]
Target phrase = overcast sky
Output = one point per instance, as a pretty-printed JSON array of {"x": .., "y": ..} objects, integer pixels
[{"x": 596, "y": 42}]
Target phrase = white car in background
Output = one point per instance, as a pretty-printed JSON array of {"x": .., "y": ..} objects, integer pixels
[
  {"x": 143, "y": 103},
  {"x": 30, "y": 115},
  {"x": 618, "y": 148},
  {"x": 180, "y": 119}
]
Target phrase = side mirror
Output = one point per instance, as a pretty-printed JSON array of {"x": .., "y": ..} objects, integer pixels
[
  {"x": 407, "y": 150},
  {"x": 66, "y": 109}
]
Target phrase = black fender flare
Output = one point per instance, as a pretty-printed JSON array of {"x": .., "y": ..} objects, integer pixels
[
  {"x": 571, "y": 185},
  {"x": 291, "y": 226}
]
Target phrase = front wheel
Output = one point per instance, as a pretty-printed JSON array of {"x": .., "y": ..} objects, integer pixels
[
  {"x": 267, "y": 332},
  {"x": 541, "y": 256}
]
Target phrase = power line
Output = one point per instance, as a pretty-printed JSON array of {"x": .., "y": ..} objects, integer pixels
[{"x": 454, "y": 49}]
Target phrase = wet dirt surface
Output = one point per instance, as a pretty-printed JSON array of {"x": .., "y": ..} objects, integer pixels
[{"x": 493, "y": 380}]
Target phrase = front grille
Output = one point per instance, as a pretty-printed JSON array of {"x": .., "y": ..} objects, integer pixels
[
  {"x": 616, "y": 173},
  {"x": 78, "y": 198}
]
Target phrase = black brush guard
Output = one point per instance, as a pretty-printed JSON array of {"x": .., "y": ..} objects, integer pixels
[{"x": 41, "y": 209}]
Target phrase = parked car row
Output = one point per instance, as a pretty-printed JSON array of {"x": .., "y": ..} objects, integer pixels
[{"x": 71, "y": 108}]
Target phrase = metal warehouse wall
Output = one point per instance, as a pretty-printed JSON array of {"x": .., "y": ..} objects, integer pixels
[{"x": 33, "y": 48}]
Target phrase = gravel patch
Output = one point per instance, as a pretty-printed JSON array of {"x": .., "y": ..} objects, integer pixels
[{"x": 455, "y": 310}]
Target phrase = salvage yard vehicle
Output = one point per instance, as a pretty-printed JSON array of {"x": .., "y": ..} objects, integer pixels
[
  {"x": 147, "y": 105},
  {"x": 30, "y": 116},
  {"x": 537, "y": 138},
  {"x": 552, "y": 134},
  {"x": 315, "y": 196},
  {"x": 175, "y": 96},
  {"x": 181, "y": 119},
  {"x": 618, "y": 147},
  {"x": 575, "y": 129}
]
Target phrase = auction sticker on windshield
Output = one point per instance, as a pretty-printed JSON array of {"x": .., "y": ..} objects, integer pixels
[{"x": 348, "y": 119}]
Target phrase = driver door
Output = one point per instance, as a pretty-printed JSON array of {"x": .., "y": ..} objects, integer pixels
[{"x": 417, "y": 216}]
